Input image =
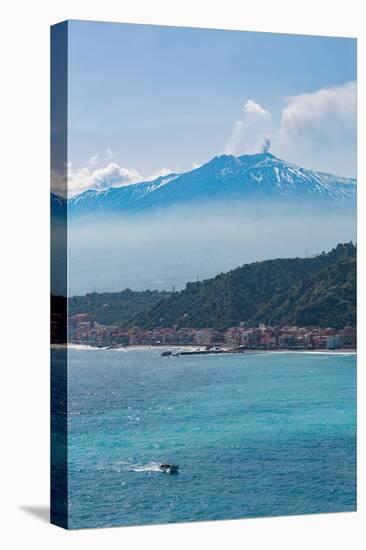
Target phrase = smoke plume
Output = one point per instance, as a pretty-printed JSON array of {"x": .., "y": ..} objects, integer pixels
[{"x": 266, "y": 145}]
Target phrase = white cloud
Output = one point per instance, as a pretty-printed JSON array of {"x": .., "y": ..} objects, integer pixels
[
  {"x": 324, "y": 115},
  {"x": 111, "y": 175},
  {"x": 252, "y": 108},
  {"x": 251, "y": 131},
  {"x": 316, "y": 130}
]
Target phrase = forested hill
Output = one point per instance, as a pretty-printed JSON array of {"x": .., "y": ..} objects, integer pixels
[
  {"x": 115, "y": 308},
  {"x": 320, "y": 291}
]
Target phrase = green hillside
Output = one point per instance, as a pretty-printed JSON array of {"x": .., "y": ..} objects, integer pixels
[
  {"x": 115, "y": 308},
  {"x": 317, "y": 291}
]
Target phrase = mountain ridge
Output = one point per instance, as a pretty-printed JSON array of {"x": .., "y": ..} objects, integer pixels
[{"x": 260, "y": 176}]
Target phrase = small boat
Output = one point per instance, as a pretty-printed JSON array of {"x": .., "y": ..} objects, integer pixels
[{"x": 169, "y": 468}]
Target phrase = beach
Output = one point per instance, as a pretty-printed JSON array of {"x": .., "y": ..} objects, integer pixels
[{"x": 85, "y": 347}]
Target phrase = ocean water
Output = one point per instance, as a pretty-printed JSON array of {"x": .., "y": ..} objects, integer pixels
[{"x": 254, "y": 435}]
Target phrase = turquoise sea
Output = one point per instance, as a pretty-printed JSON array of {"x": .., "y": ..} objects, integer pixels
[{"x": 254, "y": 435}]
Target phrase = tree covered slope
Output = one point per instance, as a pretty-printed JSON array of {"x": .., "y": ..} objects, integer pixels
[{"x": 317, "y": 291}]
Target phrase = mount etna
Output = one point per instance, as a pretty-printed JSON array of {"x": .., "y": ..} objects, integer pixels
[{"x": 259, "y": 177}]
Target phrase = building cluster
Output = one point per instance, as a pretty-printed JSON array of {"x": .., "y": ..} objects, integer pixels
[
  {"x": 284, "y": 337},
  {"x": 82, "y": 329}
]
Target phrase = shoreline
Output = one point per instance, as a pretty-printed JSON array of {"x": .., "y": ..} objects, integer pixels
[{"x": 192, "y": 348}]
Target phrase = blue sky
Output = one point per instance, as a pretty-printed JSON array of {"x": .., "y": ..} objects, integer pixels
[{"x": 145, "y": 100}]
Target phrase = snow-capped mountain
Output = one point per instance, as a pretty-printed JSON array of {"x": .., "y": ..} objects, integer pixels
[
  {"x": 260, "y": 176},
  {"x": 116, "y": 198}
]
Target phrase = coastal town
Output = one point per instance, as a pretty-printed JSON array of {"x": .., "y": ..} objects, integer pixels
[{"x": 83, "y": 330}]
